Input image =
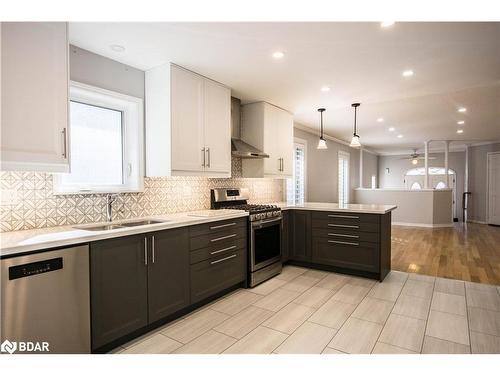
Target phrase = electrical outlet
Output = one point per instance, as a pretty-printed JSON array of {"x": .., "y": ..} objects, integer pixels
[{"x": 8, "y": 197}]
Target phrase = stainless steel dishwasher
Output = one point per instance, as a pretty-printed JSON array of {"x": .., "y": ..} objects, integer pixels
[{"x": 45, "y": 297}]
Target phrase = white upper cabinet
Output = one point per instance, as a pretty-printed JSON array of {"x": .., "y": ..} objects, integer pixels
[
  {"x": 187, "y": 121},
  {"x": 270, "y": 129},
  {"x": 217, "y": 127},
  {"x": 188, "y": 124},
  {"x": 34, "y": 104}
]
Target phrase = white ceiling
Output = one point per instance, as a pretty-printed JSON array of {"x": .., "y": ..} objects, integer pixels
[{"x": 455, "y": 64}]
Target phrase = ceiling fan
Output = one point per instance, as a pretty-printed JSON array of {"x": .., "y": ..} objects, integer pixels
[{"x": 415, "y": 157}]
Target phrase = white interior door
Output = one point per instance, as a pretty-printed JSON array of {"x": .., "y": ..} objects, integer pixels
[{"x": 494, "y": 188}]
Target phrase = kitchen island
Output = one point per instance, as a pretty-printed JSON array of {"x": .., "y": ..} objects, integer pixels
[{"x": 349, "y": 238}]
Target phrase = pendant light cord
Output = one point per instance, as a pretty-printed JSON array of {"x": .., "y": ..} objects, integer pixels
[{"x": 355, "y": 111}]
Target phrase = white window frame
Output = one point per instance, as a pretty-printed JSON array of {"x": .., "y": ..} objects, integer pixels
[
  {"x": 132, "y": 137},
  {"x": 303, "y": 144},
  {"x": 345, "y": 155}
]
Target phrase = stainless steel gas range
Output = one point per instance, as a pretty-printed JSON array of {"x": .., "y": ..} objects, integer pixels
[{"x": 264, "y": 232}]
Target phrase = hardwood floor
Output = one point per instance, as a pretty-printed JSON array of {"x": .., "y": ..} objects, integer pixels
[{"x": 469, "y": 252}]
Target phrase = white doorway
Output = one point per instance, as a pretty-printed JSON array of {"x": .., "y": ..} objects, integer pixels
[{"x": 493, "y": 186}]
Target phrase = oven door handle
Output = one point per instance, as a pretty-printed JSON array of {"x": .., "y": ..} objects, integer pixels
[{"x": 263, "y": 223}]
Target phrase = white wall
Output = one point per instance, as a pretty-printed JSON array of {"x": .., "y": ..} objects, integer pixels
[
  {"x": 96, "y": 70},
  {"x": 478, "y": 180},
  {"x": 322, "y": 168}
]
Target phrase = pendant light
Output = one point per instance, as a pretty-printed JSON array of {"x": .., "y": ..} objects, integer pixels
[
  {"x": 322, "y": 143},
  {"x": 355, "y": 137}
]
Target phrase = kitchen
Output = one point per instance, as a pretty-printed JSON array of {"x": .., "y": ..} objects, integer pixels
[{"x": 168, "y": 213}]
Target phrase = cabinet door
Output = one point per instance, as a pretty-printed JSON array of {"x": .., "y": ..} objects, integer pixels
[
  {"x": 214, "y": 275},
  {"x": 187, "y": 121},
  {"x": 301, "y": 235},
  {"x": 118, "y": 288},
  {"x": 286, "y": 143},
  {"x": 168, "y": 273},
  {"x": 217, "y": 106},
  {"x": 34, "y": 134},
  {"x": 272, "y": 165},
  {"x": 285, "y": 243}
]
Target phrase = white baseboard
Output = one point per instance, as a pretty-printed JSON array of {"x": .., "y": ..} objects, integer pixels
[
  {"x": 422, "y": 225},
  {"x": 477, "y": 221}
]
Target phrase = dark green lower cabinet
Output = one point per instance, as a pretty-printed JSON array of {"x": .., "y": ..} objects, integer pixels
[
  {"x": 137, "y": 280},
  {"x": 300, "y": 227},
  {"x": 168, "y": 273},
  {"x": 285, "y": 243},
  {"x": 214, "y": 275},
  {"x": 118, "y": 284},
  {"x": 363, "y": 256}
]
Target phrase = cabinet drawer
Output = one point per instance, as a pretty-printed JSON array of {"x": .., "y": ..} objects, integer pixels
[
  {"x": 347, "y": 217},
  {"x": 217, "y": 251},
  {"x": 347, "y": 254},
  {"x": 212, "y": 276},
  {"x": 352, "y": 225},
  {"x": 345, "y": 234},
  {"x": 217, "y": 239},
  {"x": 218, "y": 226}
]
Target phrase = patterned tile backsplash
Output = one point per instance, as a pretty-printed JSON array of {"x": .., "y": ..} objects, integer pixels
[{"x": 37, "y": 207}]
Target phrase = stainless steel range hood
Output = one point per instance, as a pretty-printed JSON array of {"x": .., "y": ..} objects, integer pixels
[
  {"x": 243, "y": 150},
  {"x": 240, "y": 148}
]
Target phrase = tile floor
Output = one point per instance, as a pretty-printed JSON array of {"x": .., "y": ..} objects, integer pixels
[{"x": 310, "y": 311}]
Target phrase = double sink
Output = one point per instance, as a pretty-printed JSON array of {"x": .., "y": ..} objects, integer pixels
[{"x": 128, "y": 224}]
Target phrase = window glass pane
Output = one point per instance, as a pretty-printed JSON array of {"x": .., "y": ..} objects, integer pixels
[
  {"x": 96, "y": 145},
  {"x": 296, "y": 186},
  {"x": 343, "y": 184},
  {"x": 441, "y": 185}
]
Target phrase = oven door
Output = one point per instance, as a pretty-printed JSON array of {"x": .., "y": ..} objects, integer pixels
[{"x": 265, "y": 243}]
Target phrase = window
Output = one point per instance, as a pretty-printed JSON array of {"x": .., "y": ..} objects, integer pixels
[
  {"x": 343, "y": 177},
  {"x": 432, "y": 170},
  {"x": 296, "y": 187},
  {"x": 374, "y": 182},
  {"x": 441, "y": 185},
  {"x": 416, "y": 186},
  {"x": 106, "y": 142}
]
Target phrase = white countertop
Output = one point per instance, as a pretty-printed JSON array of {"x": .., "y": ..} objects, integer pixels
[
  {"x": 23, "y": 241},
  {"x": 353, "y": 208},
  {"x": 19, "y": 242}
]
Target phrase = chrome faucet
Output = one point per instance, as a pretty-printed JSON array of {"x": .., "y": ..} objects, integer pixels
[{"x": 110, "y": 198}]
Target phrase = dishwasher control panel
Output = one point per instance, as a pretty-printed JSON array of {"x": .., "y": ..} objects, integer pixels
[{"x": 36, "y": 268}]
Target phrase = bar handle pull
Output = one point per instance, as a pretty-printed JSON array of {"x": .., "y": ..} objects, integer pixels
[
  {"x": 222, "y": 226},
  {"x": 344, "y": 226},
  {"x": 223, "y": 237},
  {"x": 222, "y": 250},
  {"x": 344, "y": 243},
  {"x": 145, "y": 251},
  {"x": 223, "y": 259}
]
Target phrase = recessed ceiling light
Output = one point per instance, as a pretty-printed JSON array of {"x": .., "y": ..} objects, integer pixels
[
  {"x": 325, "y": 88},
  {"x": 278, "y": 55},
  {"x": 460, "y": 131},
  {"x": 380, "y": 119},
  {"x": 408, "y": 73},
  {"x": 117, "y": 48},
  {"x": 387, "y": 23},
  {"x": 392, "y": 129},
  {"x": 400, "y": 135},
  {"x": 462, "y": 110},
  {"x": 461, "y": 122}
]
